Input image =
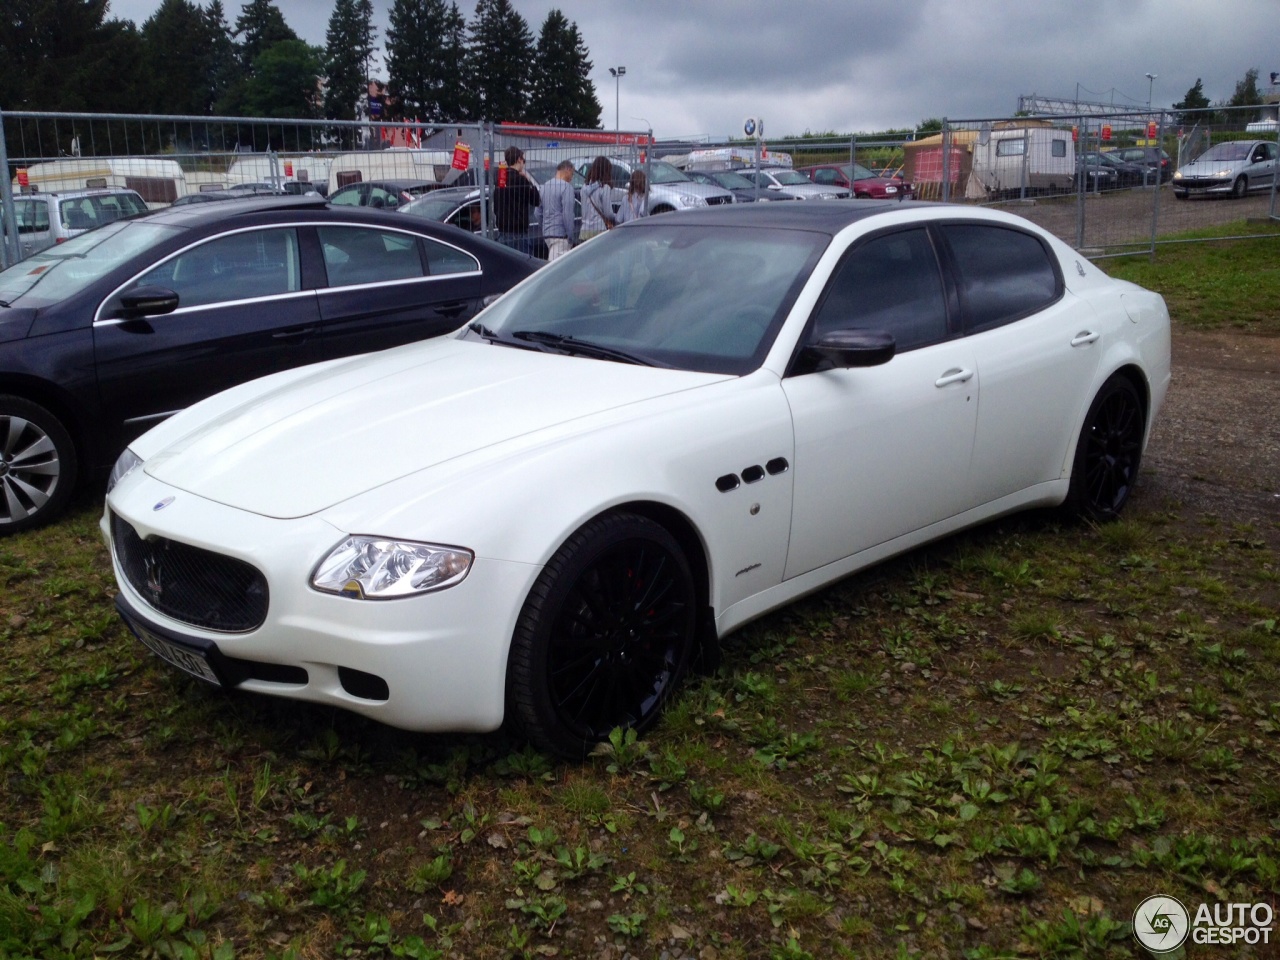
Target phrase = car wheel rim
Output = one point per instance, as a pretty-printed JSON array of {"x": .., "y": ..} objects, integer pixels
[
  {"x": 29, "y": 468},
  {"x": 1114, "y": 445},
  {"x": 619, "y": 639}
]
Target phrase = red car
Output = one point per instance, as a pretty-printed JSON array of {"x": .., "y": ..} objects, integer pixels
[{"x": 860, "y": 180}]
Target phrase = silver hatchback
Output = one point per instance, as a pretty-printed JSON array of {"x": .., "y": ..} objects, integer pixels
[
  {"x": 1234, "y": 167},
  {"x": 48, "y": 218}
]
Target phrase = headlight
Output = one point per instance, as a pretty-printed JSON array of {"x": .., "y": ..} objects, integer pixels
[
  {"x": 125, "y": 465},
  {"x": 374, "y": 568},
  {"x": 693, "y": 201},
  {"x": 1178, "y": 175},
  {"x": 890, "y": 189}
]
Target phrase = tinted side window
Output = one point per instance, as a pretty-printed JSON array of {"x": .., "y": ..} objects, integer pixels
[
  {"x": 1059, "y": 148},
  {"x": 1004, "y": 274},
  {"x": 824, "y": 176},
  {"x": 889, "y": 283},
  {"x": 33, "y": 215},
  {"x": 443, "y": 259},
  {"x": 239, "y": 266},
  {"x": 364, "y": 255}
]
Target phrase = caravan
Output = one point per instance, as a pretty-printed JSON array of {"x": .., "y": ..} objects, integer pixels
[
  {"x": 159, "y": 182},
  {"x": 309, "y": 169},
  {"x": 431, "y": 166},
  {"x": 1032, "y": 158}
]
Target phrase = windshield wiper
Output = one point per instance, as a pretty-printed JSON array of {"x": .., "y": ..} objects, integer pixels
[
  {"x": 584, "y": 348},
  {"x": 4, "y": 303}
]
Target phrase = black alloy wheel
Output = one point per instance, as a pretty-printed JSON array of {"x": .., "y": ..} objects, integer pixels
[
  {"x": 604, "y": 637},
  {"x": 37, "y": 465},
  {"x": 1109, "y": 452}
]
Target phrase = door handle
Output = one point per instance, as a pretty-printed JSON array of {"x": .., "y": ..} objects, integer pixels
[
  {"x": 293, "y": 333},
  {"x": 1084, "y": 337},
  {"x": 452, "y": 309},
  {"x": 954, "y": 375}
]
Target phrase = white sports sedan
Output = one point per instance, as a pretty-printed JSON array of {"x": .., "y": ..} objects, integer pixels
[{"x": 546, "y": 517}]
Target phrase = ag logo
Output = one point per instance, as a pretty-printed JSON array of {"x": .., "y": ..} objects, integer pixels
[{"x": 1160, "y": 924}]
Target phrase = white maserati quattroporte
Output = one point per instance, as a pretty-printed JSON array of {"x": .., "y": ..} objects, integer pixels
[{"x": 689, "y": 421}]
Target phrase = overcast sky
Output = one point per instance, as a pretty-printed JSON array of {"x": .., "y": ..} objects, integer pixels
[{"x": 817, "y": 65}]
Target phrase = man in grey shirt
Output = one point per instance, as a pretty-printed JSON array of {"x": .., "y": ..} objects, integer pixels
[{"x": 557, "y": 211}]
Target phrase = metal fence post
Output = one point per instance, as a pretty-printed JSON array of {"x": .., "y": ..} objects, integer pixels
[
  {"x": 10, "y": 248},
  {"x": 1271, "y": 210},
  {"x": 945, "y": 193},
  {"x": 1155, "y": 206},
  {"x": 1082, "y": 175}
]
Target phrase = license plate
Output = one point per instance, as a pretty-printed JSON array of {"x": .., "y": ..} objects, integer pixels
[{"x": 191, "y": 661}]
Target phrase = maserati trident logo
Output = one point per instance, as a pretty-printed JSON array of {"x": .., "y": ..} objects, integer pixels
[{"x": 163, "y": 503}]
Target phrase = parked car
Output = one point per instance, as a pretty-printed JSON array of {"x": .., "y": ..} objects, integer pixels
[
  {"x": 863, "y": 183},
  {"x": 1234, "y": 167},
  {"x": 211, "y": 196},
  {"x": 1096, "y": 173},
  {"x": 690, "y": 421},
  {"x": 104, "y": 336},
  {"x": 1127, "y": 174},
  {"x": 387, "y": 194},
  {"x": 743, "y": 190},
  {"x": 1153, "y": 158},
  {"x": 45, "y": 219},
  {"x": 792, "y": 183},
  {"x": 669, "y": 188},
  {"x": 460, "y": 207}
]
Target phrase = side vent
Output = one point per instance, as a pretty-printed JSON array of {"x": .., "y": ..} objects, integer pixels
[
  {"x": 753, "y": 474},
  {"x": 777, "y": 465},
  {"x": 728, "y": 482}
]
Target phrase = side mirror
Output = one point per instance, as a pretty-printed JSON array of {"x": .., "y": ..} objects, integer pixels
[
  {"x": 147, "y": 301},
  {"x": 849, "y": 348}
]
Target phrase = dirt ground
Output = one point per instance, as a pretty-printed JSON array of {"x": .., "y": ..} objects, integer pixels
[{"x": 1215, "y": 447}]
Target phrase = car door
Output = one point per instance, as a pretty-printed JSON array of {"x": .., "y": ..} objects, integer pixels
[
  {"x": 243, "y": 312},
  {"x": 1263, "y": 169},
  {"x": 33, "y": 225},
  {"x": 882, "y": 451},
  {"x": 387, "y": 286},
  {"x": 1037, "y": 348}
]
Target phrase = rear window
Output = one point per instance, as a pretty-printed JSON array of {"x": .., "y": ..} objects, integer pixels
[{"x": 1004, "y": 274}]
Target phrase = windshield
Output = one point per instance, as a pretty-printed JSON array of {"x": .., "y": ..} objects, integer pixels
[
  {"x": 690, "y": 297},
  {"x": 85, "y": 213},
  {"x": 1234, "y": 150},
  {"x": 860, "y": 173},
  {"x": 791, "y": 178},
  {"x": 63, "y": 271},
  {"x": 660, "y": 172},
  {"x": 432, "y": 206},
  {"x": 733, "y": 181}
]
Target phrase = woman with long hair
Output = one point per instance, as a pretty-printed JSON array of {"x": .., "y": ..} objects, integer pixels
[
  {"x": 597, "y": 199},
  {"x": 636, "y": 203}
]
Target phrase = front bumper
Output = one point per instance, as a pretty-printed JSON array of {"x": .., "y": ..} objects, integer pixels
[
  {"x": 1204, "y": 184},
  {"x": 435, "y": 661}
]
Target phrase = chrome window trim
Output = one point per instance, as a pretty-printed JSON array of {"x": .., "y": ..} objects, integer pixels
[
  {"x": 97, "y": 313},
  {"x": 377, "y": 284},
  {"x": 220, "y": 305}
]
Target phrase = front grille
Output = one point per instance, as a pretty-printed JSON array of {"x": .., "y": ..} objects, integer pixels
[
  {"x": 717, "y": 200},
  {"x": 1202, "y": 182},
  {"x": 195, "y": 586}
]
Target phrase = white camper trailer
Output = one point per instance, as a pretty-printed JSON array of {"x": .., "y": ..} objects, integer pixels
[
  {"x": 394, "y": 164},
  {"x": 308, "y": 168},
  {"x": 1013, "y": 161},
  {"x": 159, "y": 182}
]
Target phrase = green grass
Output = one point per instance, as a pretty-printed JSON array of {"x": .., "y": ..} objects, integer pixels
[
  {"x": 995, "y": 747},
  {"x": 1229, "y": 284}
]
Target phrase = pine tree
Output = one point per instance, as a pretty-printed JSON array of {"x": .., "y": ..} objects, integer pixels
[
  {"x": 177, "y": 58},
  {"x": 259, "y": 26},
  {"x": 1195, "y": 100},
  {"x": 1246, "y": 93},
  {"x": 562, "y": 92},
  {"x": 349, "y": 46},
  {"x": 426, "y": 60},
  {"x": 501, "y": 52},
  {"x": 223, "y": 67}
]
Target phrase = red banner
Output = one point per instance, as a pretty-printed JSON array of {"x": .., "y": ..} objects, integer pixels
[
  {"x": 502, "y": 174},
  {"x": 461, "y": 156},
  {"x": 1151, "y": 130},
  {"x": 1106, "y": 131},
  {"x": 23, "y": 179},
  {"x": 288, "y": 168}
]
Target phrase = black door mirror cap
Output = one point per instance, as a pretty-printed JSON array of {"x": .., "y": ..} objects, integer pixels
[
  {"x": 852, "y": 348},
  {"x": 147, "y": 301}
]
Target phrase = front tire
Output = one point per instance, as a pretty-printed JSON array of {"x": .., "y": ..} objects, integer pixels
[
  {"x": 37, "y": 465},
  {"x": 1240, "y": 188},
  {"x": 1108, "y": 452},
  {"x": 604, "y": 638}
]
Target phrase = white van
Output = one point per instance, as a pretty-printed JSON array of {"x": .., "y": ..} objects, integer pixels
[
  {"x": 1010, "y": 161},
  {"x": 159, "y": 182}
]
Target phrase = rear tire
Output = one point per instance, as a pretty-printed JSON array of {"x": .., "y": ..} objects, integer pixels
[
  {"x": 605, "y": 636},
  {"x": 1108, "y": 452},
  {"x": 37, "y": 465}
]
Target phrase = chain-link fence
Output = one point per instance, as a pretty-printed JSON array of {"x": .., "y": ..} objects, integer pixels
[
  {"x": 68, "y": 172},
  {"x": 1107, "y": 184}
]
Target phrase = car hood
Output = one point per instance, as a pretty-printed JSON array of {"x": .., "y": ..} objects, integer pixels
[
  {"x": 1207, "y": 168},
  {"x": 343, "y": 428},
  {"x": 691, "y": 189}
]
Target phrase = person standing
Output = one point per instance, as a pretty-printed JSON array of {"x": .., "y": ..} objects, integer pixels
[
  {"x": 636, "y": 202},
  {"x": 557, "y": 211},
  {"x": 511, "y": 203},
  {"x": 597, "y": 199}
]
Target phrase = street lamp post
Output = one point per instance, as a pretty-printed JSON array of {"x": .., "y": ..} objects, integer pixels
[
  {"x": 1151, "y": 79},
  {"x": 617, "y": 73}
]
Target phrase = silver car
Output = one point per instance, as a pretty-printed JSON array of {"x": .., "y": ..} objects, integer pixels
[
  {"x": 1234, "y": 167},
  {"x": 792, "y": 183},
  {"x": 669, "y": 188},
  {"x": 48, "y": 218}
]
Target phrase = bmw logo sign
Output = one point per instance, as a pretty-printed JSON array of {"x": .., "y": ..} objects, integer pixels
[{"x": 163, "y": 503}]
